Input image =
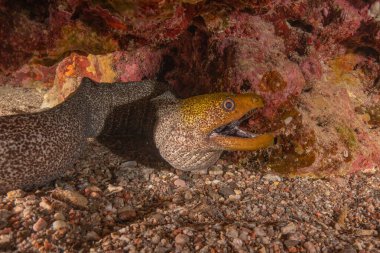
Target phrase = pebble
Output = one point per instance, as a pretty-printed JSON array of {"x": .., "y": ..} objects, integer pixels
[
  {"x": 272, "y": 178},
  {"x": 249, "y": 191},
  {"x": 234, "y": 197},
  {"x": 16, "y": 209},
  {"x": 288, "y": 120},
  {"x": 11, "y": 195},
  {"x": 205, "y": 249},
  {"x": 128, "y": 164},
  {"x": 181, "y": 239},
  {"x": 259, "y": 231},
  {"x": 237, "y": 242},
  {"x": 212, "y": 194},
  {"x": 371, "y": 208},
  {"x": 156, "y": 239},
  {"x": 365, "y": 232},
  {"x": 199, "y": 172},
  {"x": 215, "y": 171},
  {"x": 244, "y": 234},
  {"x": 262, "y": 250},
  {"x": 310, "y": 248},
  {"x": 188, "y": 195},
  {"x": 359, "y": 245},
  {"x": 126, "y": 213},
  {"x": 157, "y": 218},
  {"x": 72, "y": 197},
  {"x": 27, "y": 213},
  {"x": 5, "y": 241},
  {"x": 265, "y": 240},
  {"x": 226, "y": 191},
  {"x": 237, "y": 192},
  {"x": 290, "y": 243},
  {"x": 93, "y": 188},
  {"x": 232, "y": 232},
  {"x": 215, "y": 181},
  {"x": 59, "y": 224},
  {"x": 92, "y": 236},
  {"x": 180, "y": 183},
  {"x": 59, "y": 216},
  {"x": 348, "y": 249},
  {"x": 4, "y": 215},
  {"x": 114, "y": 189},
  {"x": 147, "y": 172},
  {"x": 296, "y": 237},
  {"x": 95, "y": 195},
  {"x": 39, "y": 225},
  {"x": 342, "y": 216},
  {"x": 290, "y": 228},
  {"x": 93, "y": 191},
  {"x": 45, "y": 204}
]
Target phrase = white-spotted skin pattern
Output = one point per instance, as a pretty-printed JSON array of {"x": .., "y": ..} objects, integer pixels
[
  {"x": 36, "y": 148},
  {"x": 183, "y": 148}
]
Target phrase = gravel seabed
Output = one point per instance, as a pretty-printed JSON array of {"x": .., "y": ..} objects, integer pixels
[{"x": 108, "y": 203}]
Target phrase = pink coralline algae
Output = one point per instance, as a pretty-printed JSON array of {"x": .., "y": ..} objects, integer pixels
[
  {"x": 143, "y": 63},
  {"x": 315, "y": 63},
  {"x": 247, "y": 52}
]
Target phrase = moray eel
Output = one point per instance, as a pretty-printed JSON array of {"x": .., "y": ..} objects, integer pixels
[
  {"x": 189, "y": 134},
  {"x": 192, "y": 133}
]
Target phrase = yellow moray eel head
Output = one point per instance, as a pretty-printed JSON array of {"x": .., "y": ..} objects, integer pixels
[{"x": 192, "y": 133}]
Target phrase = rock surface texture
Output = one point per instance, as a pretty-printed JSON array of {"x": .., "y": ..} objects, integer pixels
[{"x": 315, "y": 63}]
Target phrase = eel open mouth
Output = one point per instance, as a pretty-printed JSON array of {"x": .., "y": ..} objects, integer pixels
[
  {"x": 232, "y": 137},
  {"x": 233, "y": 128}
]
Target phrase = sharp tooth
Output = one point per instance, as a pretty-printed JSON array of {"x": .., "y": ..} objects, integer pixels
[
  {"x": 232, "y": 129},
  {"x": 251, "y": 135},
  {"x": 242, "y": 133},
  {"x": 213, "y": 134}
]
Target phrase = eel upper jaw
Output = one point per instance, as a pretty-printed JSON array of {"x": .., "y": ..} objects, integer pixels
[
  {"x": 232, "y": 137},
  {"x": 233, "y": 129}
]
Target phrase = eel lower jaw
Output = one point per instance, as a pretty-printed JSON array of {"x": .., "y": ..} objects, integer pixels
[
  {"x": 232, "y": 137},
  {"x": 233, "y": 143}
]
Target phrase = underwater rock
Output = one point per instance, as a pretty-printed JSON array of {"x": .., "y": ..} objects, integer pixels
[
  {"x": 315, "y": 64},
  {"x": 118, "y": 66},
  {"x": 45, "y": 33},
  {"x": 246, "y": 56}
]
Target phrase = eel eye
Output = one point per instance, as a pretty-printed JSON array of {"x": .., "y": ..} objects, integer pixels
[{"x": 228, "y": 104}]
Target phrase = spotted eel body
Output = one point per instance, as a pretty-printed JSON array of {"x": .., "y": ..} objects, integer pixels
[
  {"x": 36, "y": 148},
  {"x": 189, "y": 134}
]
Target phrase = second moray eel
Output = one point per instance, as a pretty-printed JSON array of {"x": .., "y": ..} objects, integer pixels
[{"x": 189, "y": 134}]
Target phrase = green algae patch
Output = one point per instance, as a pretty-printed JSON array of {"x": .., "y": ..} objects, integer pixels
[
  {"x": 80, "y": 39},
  {"x": 348, "y": 136},
  {"x": 344, "y": 71},
  {"x": 374, "y": 113},
  {"x": 216, "y": 17},
  {"x": 272, "y": 81},
  {"x": 369, "y": 114},
  {"x": 295, "y": 143},
  {"x": 293, "y": 154}
]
